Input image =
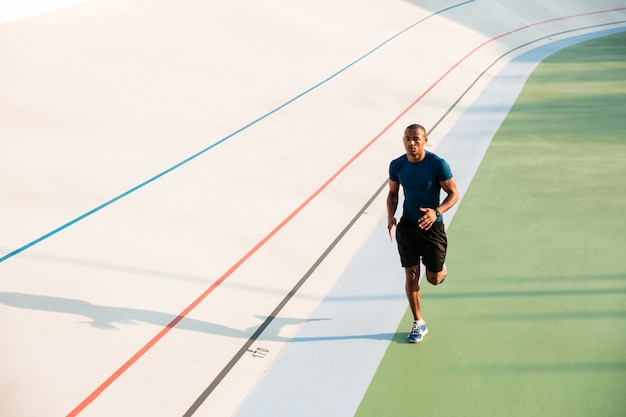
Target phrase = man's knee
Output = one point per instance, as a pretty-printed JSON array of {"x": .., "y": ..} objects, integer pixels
[
  {"x": 412, "y": 274},
  {"x": 412, "y": 271}
]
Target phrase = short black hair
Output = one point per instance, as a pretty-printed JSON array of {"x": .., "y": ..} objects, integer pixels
[{"x": 416, "y": 126}]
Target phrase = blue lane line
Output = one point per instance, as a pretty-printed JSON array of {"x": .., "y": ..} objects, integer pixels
[{"x": 224, "y": 139}]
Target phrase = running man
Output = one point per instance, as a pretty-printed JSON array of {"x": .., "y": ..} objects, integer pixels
[{"x": 420, "y": 234}]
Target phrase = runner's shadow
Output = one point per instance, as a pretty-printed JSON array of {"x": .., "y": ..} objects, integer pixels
[{"x": 107, "y": 317}]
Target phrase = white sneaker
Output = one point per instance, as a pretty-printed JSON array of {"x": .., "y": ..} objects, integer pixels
[{"x": 418, "y": 331}]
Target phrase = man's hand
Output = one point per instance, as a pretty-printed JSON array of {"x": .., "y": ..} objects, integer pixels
[
  {"x": 391, "y": 222},
  {"x": 428, "y": 219}
]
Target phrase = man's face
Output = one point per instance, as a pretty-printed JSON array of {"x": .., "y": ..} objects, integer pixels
[{"x": 414, "y": 141}]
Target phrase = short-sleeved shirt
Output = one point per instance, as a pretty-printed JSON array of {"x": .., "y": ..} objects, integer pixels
[{"x": 420, "y": 182}]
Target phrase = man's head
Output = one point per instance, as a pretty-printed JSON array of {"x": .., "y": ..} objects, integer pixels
[{"x": 414, "y": 142}]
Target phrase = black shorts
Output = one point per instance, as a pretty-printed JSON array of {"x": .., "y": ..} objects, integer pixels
[{"x": 428, "y": 246}]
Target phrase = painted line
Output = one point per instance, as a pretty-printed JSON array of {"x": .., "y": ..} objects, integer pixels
[
  {"x": 224, "y": 139},
  {"x": 252, "y": 251}
]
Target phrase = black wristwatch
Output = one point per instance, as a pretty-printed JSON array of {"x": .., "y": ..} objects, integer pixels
[{"x": 437, "y": 213}]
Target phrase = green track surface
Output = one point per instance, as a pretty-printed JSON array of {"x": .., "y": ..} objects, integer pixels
[{"x": 532, "y": 318}]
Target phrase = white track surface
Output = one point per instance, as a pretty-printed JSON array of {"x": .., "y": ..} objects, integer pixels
[{"x": 170, "y": 171}]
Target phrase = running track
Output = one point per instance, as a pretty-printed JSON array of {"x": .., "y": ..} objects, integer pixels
[{"x": 535, "y": 34}]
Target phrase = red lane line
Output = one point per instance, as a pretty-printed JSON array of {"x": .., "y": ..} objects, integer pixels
[{"x": 80, "y": 407}]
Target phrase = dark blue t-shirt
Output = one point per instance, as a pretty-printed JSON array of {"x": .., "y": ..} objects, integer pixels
[{"x": 420, "y": 182}]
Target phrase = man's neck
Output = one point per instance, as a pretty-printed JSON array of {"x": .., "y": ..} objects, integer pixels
[{"x": 417, "y": 157}]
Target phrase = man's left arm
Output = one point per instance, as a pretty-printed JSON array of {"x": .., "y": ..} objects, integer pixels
[
  {"x": 430, "y": 215},
  {"x": 452, "y": 195}
]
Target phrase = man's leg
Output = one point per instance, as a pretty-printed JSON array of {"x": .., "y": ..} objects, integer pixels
[
  {"x": 435, "y": 254},
  {"x": 413, "y": 293},
  {"x": 412, "y": 288}
]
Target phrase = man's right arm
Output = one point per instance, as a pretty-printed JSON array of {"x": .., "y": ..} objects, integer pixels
[{"x": 392, "y": 205}]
